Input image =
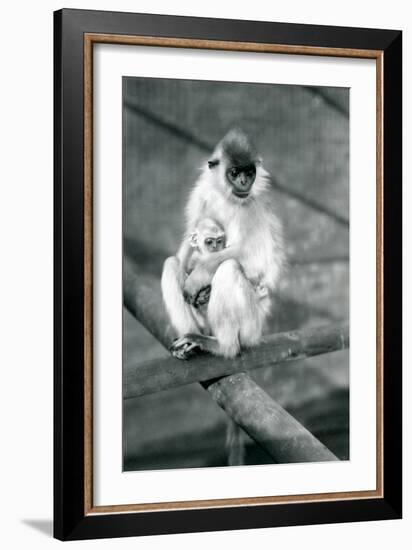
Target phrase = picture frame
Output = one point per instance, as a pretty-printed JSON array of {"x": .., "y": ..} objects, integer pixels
[{"x": 76, "y": 32}]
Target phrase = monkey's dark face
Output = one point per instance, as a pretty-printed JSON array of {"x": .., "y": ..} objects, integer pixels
[
  {"x": 241, "y": 179},
  {"x": 214, "y": 244},
  {"x": 237, "y": 159}
]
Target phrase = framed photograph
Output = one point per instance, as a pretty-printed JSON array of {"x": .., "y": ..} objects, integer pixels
[{"x": 227, "y": 274}]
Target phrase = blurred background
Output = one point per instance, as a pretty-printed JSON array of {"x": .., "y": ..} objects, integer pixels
[{"x": 302, "y": 133}]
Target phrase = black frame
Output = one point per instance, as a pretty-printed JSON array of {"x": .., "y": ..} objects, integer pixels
[{"x": 70, "y": 521}]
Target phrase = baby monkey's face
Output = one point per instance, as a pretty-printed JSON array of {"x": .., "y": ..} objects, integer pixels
[{"x": 214, "y": 243}]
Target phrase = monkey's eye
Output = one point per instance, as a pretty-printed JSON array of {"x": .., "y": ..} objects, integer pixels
[
  {"x": 208, "y": 242},
  {"x": 234, "y": 172},
  {"x": 219, "y": 241}
]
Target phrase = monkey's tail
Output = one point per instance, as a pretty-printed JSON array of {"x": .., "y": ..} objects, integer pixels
[{"x": 235, "y": 444}]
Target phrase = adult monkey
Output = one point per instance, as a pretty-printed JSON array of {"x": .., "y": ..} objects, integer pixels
[{"x": 236, "y": 282}]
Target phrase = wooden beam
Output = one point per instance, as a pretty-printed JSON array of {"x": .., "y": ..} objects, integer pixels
[
  {"x": 273, "y": 428},
  {"x": 161, "y": 374},
  {"x": 269, "y": 424}
]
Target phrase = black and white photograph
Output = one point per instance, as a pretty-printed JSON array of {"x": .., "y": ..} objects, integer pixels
[
  {"x": 235, "y": 273},
  {"x": 205, "y": 275}
]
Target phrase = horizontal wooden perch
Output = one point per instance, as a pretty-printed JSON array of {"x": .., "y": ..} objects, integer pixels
[
  {"x": 273, "y": 428},
  {"x": 161, "y": 374}
]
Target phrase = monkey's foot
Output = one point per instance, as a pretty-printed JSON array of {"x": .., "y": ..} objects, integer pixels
[{"x": 185, "y": 347}]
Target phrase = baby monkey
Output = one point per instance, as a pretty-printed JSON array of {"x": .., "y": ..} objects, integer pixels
[{"x": 207, "y": 238}]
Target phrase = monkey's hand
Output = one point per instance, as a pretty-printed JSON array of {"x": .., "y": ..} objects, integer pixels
[
  {"x": 197, "y": 287},
  {"x": 202, "y": 297}
]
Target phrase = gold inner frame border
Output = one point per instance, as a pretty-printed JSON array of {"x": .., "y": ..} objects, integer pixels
[{"x": 94, "y": 38}]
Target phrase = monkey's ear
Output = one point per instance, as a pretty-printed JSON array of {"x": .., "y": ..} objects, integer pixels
[
  {"x": 212, "y": 163},
  {"x": 193, "y": 239}
]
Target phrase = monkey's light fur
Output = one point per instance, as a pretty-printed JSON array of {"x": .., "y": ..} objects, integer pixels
[{"x": 253, "y": 257}]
